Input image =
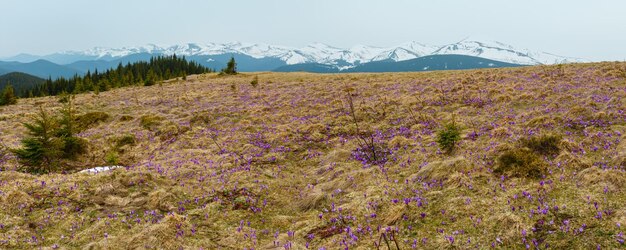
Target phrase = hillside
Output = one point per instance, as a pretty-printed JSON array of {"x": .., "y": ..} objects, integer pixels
[
  {"x": 40, "y": 68},
  {"x": 20, "y": 81},
  {"x": 431, "y": 63},
  {"x": 250, "y": 64},
  {"x": 308, "y": 67},
  {"x": 426, "y": 63},
  {"x": 216, "y": 163}
]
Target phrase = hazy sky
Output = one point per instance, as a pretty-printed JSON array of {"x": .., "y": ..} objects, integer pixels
[{"x": 594, "y": 30}]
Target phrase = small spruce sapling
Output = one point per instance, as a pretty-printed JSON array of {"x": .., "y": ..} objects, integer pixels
[
  {"x": 73, "y": 145},
  {"x": 41, "y": 149},
  {"x": 448, "y": 137},
  {"x": 255, "y": 81}
]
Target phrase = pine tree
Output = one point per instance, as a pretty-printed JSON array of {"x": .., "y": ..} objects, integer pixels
[
  {"x": 8, "y": 96},
  {"x": 231, "y": 67},
  {"x": 41, "y": 149}
]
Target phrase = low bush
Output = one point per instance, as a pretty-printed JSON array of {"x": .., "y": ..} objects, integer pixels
[
  {"x": 89, "y": 119},
  {"x": 124, "y": 140},
  {"x": 150, "y": 122},
  {"x": 522, "y": 163},
  {"x": 126, "y": 118},
  {"x": 255, "y": 81},
  {"x": 547, "y": 145},
  {"x": 170, "y": 130},
  {"x": 200, "y": 118},
  {"x": 111, "y": 158}
]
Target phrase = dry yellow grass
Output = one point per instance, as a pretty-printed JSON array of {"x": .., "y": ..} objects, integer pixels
[{"x": 277, "y": 165}]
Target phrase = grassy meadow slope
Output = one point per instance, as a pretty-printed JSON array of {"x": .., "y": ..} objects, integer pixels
[{"x": 215, "y": 163}]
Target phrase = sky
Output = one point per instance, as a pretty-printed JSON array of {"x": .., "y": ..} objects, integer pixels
[{"x": 593, "y": 30}]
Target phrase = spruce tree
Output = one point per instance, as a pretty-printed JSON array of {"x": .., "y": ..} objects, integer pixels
[
  {"x": 8, "y": 96},
  {"x": 73, "y": 145},
  {"x": 231, "y": 67},
  {"x": 151, "y": 78},
  {"x": 41, "y": 149}
]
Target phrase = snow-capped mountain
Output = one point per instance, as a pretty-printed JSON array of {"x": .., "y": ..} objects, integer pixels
[
  {"x": 405, "y": 52},
  {"x": 103, "y": 52},
  {"x": 502, "y": 52},
  {"x": 317, "y": 53}
]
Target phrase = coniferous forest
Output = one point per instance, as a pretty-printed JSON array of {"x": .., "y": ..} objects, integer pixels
[{"x": 139, "y": 73}]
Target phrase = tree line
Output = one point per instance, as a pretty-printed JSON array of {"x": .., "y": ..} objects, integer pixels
[{"x": 138, "y": 73}]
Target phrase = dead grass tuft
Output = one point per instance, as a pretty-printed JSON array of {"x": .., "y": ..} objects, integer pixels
[
  {"x": 399, "y": 141},
  {"x": 568, "y": 145},
  {"x": 161, "y": 200},
  {"x": 439, "y": 170},
  {"x": 16, "y": 200},
  {"x": 394, "y": 214},
  {"x": 169, "y": 233},
  {"x": 500, "y": 132},
  {"x": 599, "y": 178},
  {"x": 314, "y": 200},
  {"x": 571, "y": 161}
]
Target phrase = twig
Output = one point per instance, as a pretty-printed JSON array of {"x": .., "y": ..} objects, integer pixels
[
  {"x": 413, "y": 115},
  {"x": 383, "y": 236},
  {"x": 444, "y": 98},
  {"x": 215, "y": 142},
  {"x": 352, "y": 112},
  {"x": 393, "y": 235},
  {"x": 420, "y": 101},
  {"x": 362, "y": 142}
]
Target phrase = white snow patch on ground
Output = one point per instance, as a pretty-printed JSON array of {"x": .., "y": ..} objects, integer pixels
[{"x": 97, "y": 170}]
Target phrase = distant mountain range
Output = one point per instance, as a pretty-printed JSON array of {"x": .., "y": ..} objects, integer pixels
[
  {"x": 425, "y": 63},
  {"x": 316, "y": 57}
]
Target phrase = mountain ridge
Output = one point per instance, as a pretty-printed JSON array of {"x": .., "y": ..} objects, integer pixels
[
  {"x": 315, "y": 57},
  {"x": 319, "y": 53},
  {"x": 41, "y": 68},
  {"x": 424, "y": 63},
  {"x": 19, "y": 81}
]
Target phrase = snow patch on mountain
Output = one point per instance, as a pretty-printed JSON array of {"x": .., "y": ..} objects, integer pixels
[{"x": 502, "y": 52}]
